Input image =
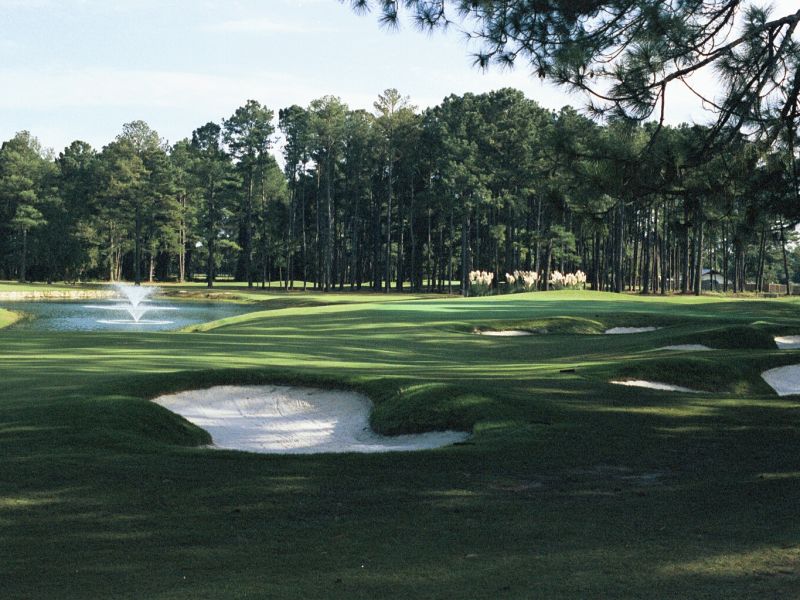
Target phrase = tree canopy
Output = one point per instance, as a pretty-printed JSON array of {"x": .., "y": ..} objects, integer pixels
[
  {"x": 404, "y": 198},
  {"x": 628, "y": 54}
]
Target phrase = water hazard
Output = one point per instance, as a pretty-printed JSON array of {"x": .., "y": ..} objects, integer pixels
[{"x": 77, "y": 316}]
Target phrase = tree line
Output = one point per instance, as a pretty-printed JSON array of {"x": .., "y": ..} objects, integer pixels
[{"x": 398, "y": 198}]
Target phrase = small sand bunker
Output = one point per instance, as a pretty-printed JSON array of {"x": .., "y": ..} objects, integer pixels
[
  {"x": 784, "y": 380},
  {"x": 687, "y": 347},
  {"x": 654, "y": 385},
  {"x": 618, "y": 330},
  {"x": 506, "y": 333},
  {"x": 293, "y": 420},
  {"x": 788, "y": 342}
]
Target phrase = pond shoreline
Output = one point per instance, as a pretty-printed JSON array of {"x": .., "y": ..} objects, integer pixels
[
  {"x": 56, "y": 295},
  {"x": 108, "y": 314}
]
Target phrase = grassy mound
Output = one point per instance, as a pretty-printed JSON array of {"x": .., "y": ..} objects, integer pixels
[
  {"x": 431, "y": 407},
  {"x": 555, "y": 325},
  {"x": 582, "y": 325},
  {"x": 9, "y": 317},
  {"x": 698, "y": 372},
  {"x": 753, "y": 336}
]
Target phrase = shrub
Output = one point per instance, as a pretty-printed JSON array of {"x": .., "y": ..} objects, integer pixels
[
  {"x": 557, "y": 279},
  {"x": 524, "y": 281},
  {"x": 480, "y": 283}
]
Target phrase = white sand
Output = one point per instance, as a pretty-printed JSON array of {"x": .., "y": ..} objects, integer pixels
[
  {"x": 506, "y": 333},
  {"x": 788, "y": 342},
  {"x": 293, "y": 420},
  {"x": 653, "y": 385},
  {"x": 784, "y": 380},
  {"x": 689, "y": 347},
  {"x": 617, "y": 330}
]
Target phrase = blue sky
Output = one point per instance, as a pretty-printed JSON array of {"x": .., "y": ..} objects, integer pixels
[{"x": 79, "y": 69}]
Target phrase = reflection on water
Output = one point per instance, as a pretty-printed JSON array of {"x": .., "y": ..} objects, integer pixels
[{"x": 76, "y": 316}]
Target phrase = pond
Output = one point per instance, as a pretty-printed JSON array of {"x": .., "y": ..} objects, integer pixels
[{"x": 101, "y": 315}]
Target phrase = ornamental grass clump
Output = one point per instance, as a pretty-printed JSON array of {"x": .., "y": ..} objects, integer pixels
[
  {"x": 557, "y": 280},
  {"x": 524, "y": 281},
  {"x": 480, "y": 283},
  {"x": 529, "y": 279}
]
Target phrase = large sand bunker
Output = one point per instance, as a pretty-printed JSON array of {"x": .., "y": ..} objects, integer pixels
[
  {"x": 784, "y": 380},
  {"x": 788, "y": 342},
  {"x": 293, "y": 420}
]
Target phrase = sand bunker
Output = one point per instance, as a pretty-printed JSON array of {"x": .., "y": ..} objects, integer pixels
[
  {"x": 784, "y": 380},
  {"x": 788, "y": 342},
  {"x": 293, "y": 420},
  {"x": 654, "y": 385},
  {"x": 618, "y": 330},
  {"x": 687, "y": 347},
  {"x": 506, "y": 333}
]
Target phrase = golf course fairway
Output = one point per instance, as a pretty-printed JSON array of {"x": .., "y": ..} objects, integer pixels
[{"x": 568, "y": 487}]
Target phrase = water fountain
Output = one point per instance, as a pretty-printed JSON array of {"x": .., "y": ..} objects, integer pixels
[{"x": 136, "y": 306}]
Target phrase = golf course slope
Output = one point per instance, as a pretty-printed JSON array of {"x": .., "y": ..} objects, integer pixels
[{"x": 567, "y": 487}]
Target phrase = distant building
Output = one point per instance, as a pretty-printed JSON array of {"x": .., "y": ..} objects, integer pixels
[{"x": 713, "y": 280}]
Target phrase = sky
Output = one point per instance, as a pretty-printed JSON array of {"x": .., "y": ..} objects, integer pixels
[{"x": 79, "y": 69}]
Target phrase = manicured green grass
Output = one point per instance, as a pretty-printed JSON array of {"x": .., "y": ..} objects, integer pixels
[
  {"x": 569, "y": 488},
  {"x": 13, "y": 286},
  {"x": 8, "y": 317},
  {"x": 271, "y": 297},
  {"x": 274, "y": 297}
]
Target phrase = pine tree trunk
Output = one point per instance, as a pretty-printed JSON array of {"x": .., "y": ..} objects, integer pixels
[
  {"x": 725, "y": 265},
  {"x": 248, "y": 245},
  {"x": 645, "y": 270},
  {"x": 698, "y": 275},
  {"x": 548, "y": 252},
  {"x": 785, "y": 260},
  {"x": 760, "y": 266},
  {"x": 415, "y": 283},
  {"x": 618, "y": 253},
  {"x": 317, "y": 234},
  {"x": 210, "y": 260},
  {"x": 465, "y": 253},
  {"x": 685, "y": 269},
  {"x": 137, "y": 254},
  {"x": 388, "y": 255},
  {"x": 182, "y": 250},
  {"x": 596, "y": 262},
  {"x": 537, "y": 263},
  {"x": 303, "y": 238},
  {"x": 329, "y": 226},
  {"x": 377, "y": 244},
  {"x": 431, "y": 268},
  {"x": 23, "y": 262},
  {"x": 664, "y": 251},
  {"x": 450, "y": 254}
]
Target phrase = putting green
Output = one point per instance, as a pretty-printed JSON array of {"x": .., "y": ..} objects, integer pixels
[{"x": 569, "y": 487}]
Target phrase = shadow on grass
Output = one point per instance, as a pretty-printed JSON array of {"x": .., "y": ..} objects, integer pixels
[{"x": 569, "y": 488}]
